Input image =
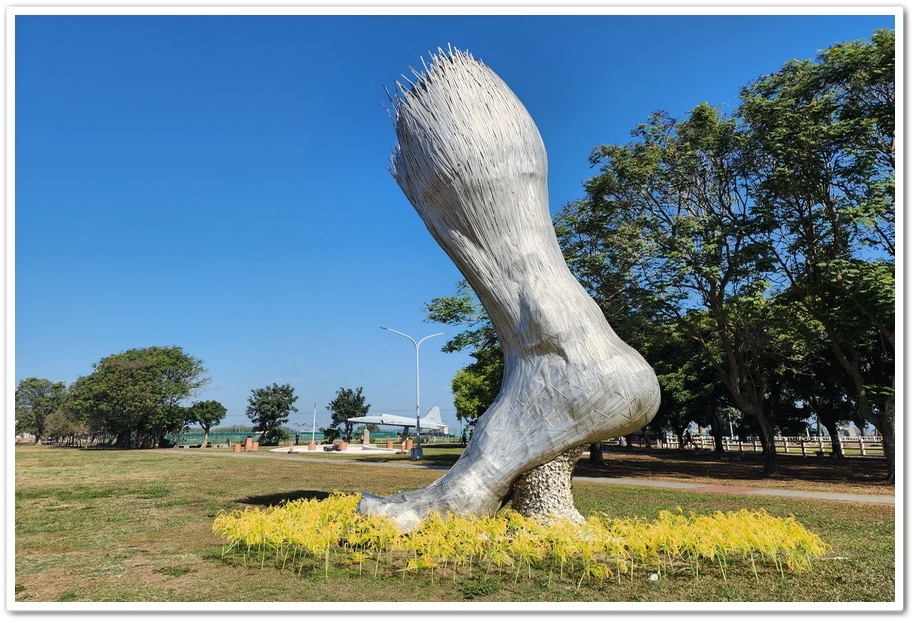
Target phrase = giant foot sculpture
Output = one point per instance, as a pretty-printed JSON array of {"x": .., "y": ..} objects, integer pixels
[{"x": 471, "y": 161}]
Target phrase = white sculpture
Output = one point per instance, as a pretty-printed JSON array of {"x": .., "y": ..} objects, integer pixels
[{"x": 472, "y": 163}]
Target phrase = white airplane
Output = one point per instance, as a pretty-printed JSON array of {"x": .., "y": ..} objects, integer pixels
[{"x": 431, "y": 421}]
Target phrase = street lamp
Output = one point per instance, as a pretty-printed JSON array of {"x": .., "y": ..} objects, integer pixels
[{"x": 417, "y": 452}]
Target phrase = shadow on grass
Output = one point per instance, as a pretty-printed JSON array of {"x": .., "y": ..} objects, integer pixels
[
  {"x": 426, "y": 463},
  {"x": 435, "y": 457},
  {"x": 276, "y": 499},
  {"x": 748, "y": 468}
]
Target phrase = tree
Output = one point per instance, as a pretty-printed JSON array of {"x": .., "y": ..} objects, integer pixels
[
  {"x": 690, "y": 390},
  {"x": 36, "y": 402},
  {"x": 269, "y": 409},
  {"x": 134, "y": 397},
  {"x": 67, "y": 427},
  {"x": 679, "y": 194},
  {"x": 475, "y": 386},
  {"x": 746, "y": 231},
  {"x": 822, "y": 137},
  {"x": 347, "y": 403},
  {"x": 330, "y": 434},
  {"x": 208, "y": 414}
]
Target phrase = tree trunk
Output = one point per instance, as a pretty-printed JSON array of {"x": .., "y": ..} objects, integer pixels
[
  {"x": 888, "y": 436},
  {"x": 770, "y": 466},
  {"x": 836, "y": 448},
  {"x": 717, "y": 430},
  {"x": 884, "y": 424},
  {"x": 596, "y": 454},
  {"x": 768, "y": 441},
  {"x": 545, "y": 492}
]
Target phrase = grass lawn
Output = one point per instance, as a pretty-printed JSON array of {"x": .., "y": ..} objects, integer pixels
[{"x": 118, "y": 526}]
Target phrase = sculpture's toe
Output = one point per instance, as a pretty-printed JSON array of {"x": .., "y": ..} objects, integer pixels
[{"x": 396, "y": 507}]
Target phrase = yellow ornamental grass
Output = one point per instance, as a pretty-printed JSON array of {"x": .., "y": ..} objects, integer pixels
[
  {"x": 331, "y": 530},
  {"x": 563, "y": 540},
  {"x": 528, "y": 547},
  {"x": 467, "y": 548},
  {"x": 798, "y": 546},
  {"x": 668, "y": 535}
]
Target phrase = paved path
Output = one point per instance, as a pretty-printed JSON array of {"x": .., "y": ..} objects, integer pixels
[{"x": 698, "y": 487}]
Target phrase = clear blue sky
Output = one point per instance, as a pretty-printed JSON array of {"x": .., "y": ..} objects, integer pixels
[{"x": 220, "y": 183}]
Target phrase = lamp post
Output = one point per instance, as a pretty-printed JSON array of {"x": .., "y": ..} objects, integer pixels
[{"x": 417, "y": 452}]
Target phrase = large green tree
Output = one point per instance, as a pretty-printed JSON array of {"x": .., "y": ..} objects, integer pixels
[
  {"x": 821, "y": 135},
  {"x": 269, "y": 409},
  {"x": 680, "y": 193},
  {"x": 36, "y": 402},
  {"x": 134, "y": 397},
  {"x": 347, "y": 403}
]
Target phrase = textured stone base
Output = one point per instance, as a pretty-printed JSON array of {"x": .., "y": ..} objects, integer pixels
[{"x": 546, "y": 492}]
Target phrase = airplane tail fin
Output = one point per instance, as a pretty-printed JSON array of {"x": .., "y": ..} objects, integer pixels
[{"x": 433, "y": 415}]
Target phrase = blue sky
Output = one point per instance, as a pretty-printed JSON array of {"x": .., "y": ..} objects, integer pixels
[{"x": 220, "y": 182}]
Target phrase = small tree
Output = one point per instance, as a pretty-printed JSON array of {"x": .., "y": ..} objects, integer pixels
[
  {"x": 269, "y": 409},
  {"x": 475, "y": 386},
  {"x": 36, "y": 401},
  {"x": 346, "y": 404},
  {"x": 208, "y": 414},
  {"x": 67, "y": 427},
  {"x": 330, "y": 434}
]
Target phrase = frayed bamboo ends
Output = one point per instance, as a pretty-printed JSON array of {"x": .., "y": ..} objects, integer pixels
[{"x": 458, "y": 124}]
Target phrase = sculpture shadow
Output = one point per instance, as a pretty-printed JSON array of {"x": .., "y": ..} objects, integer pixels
[{"x": 278, "y": 499}]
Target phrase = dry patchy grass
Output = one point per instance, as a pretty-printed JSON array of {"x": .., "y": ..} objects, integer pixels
[{"x": 136, "y": 526}]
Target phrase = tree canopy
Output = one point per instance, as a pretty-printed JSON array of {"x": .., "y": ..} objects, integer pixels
[
  {"x": 269, "y": 409},
  {"x": 347, "y": 403},
  {"x": 822, "y": 134},
  {"x": 135, "y": 396},
  {"x": 759, "y": 235},
  {"x": 475, "y": 386},
  {"x": 37, "y": 400},
  {"x": 206, "y": 413},
  {"x": 749, "y": 256}
]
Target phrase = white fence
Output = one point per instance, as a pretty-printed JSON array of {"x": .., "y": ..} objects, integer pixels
[{"x": 803, "y": 446}]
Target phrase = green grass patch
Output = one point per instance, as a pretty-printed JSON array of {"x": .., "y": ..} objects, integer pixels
[
  {"x": 122, "y": 526},
  {"x": 176, "y": 571}
]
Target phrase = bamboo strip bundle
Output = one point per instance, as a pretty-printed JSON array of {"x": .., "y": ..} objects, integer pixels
[{"x": 472, "y": 163}]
